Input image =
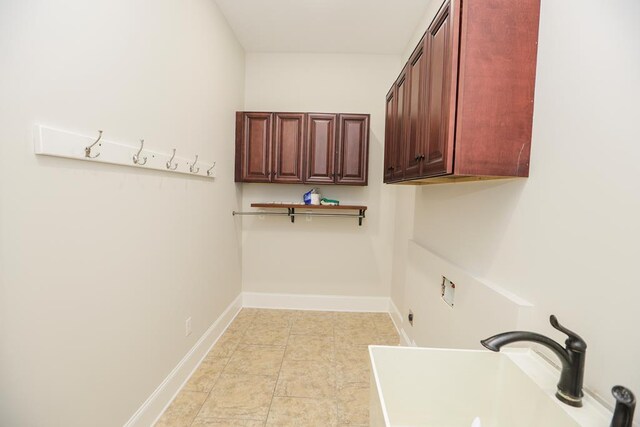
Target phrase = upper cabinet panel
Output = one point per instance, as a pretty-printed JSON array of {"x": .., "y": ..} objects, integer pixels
[
  {"x": 401, "y": 126},
  {"x": 288, "y": 147},
  {"x": 465, "y": 97},
  {"x": 498, "y": 49},
  {"x": 416, "y": 76},
  {"x": 321, "y": 149},
  {"x": 253, "y": 147},
  {"x": 310, "y": 148},
  {"x": 438, "y": 159},
  {"x": 391, "y": 110},
  {"x": 353, "y": 149}
]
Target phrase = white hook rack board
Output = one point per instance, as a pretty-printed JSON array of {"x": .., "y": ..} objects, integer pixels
[{"x": 60, "y": 143}]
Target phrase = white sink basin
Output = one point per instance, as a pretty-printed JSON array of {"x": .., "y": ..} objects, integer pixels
[{"x": 414, "y": 386}]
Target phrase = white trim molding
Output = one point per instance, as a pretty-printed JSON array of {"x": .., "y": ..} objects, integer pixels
[
  {"x": 151, "y": 410},
  {"x": 398, "y": 321},
  {"x": 315, "y": 302}
]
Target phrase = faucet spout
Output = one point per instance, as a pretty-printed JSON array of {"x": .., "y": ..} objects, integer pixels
[
  {"x": 496, "y": 342},
  {"x": 572, "y": 358}
]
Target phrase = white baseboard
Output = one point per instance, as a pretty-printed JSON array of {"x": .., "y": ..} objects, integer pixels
[
  {"x": 151, "y": 410},
  {"x": 315, "y": 302},
  {"x": 398, "y": 321}
]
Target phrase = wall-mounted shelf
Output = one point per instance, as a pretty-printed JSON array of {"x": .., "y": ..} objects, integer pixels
[{"x": 291, "y": 210}]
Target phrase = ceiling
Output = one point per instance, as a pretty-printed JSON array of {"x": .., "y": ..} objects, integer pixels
[{"x": 324, "y": 26}]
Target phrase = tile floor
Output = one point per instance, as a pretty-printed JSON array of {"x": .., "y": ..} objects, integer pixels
[{"x": 285, "y": 368}]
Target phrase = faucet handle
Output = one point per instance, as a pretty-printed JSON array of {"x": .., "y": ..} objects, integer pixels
[{"x": 574, "y": 341}]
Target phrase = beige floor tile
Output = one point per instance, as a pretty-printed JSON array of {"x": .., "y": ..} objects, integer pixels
[
  {"x": 356, "y": 354},
  {"x": 300, "y": 412},
  {"x": 349, "y": 374},
  {"x": 239, "y": 397},
  {"x": 352, "y": 365},
  {"x": 276, "y": 315},
  {"x": 318, "y": 315},
  {"x": 206, "y": 375},
  {"x": 316, "y": 363},
  {"x": 249, "y": 311},
  {"x": 358, "y": 321},
  {"x": 312, "y": 325},
  {"x": 388, "y": 339},
  {"x": 356, "y": 337},
  {"x": 306, "y": 379},
  {"x": 225, "y": 346},
  {"x": 182, "y": 410},
  {"x": 384, "y": 325},
  {"x": 274, "y": 332},
  {"x": 353, "y": 404},
  {"x": 240, "y": 325},
  {"x": 310, "y": 347},
  {"x": 256, "y": 360},
  {"x": 218, "y": 422}
]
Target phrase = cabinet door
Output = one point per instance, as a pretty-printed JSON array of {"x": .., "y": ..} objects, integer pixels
[
  {"x": 439, "y": 154},
  {"x": 416, "y": 101},
  {"x": 389, "y": 134},
  {"x": 353, "y": 149},
  {"x": 253, "y": 147},
  {"x": 401, "y": 122},
  {"x": 288, "y": 147},
  {"x": 320, "y": 148}
]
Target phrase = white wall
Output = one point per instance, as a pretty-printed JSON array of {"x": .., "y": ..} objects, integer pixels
[
  {"x": 327, "y": 256},
  {"x": 565, "y": 239},
  {"x": 101, "y": 265}
]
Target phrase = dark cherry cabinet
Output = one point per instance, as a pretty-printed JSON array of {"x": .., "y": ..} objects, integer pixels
[
  {"x": 462, "y": 107},
  {"x": 353, "y": 149},
  {"x": 321, "y": 149},
  {"x": 288, "y": 147},
  {"x": 253, "y": 147},
  {"x": 389, "y": 135},
  {"x": 438, "y": 142},
  {"x": 400, "y": 125},
  {"x": 414, "y": 141},
  {"x": 309, "y": 148},
  {"x": 396, "y": 122}
]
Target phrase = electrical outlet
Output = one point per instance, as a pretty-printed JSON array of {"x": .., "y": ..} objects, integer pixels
[
  {"x": 410, "y": 317},
  {"x": 187, "y": 327}
]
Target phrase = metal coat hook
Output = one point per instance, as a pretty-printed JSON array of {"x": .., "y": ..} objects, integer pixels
[
  {"x": 87, "y": 150},
  {"x": 136, "y": 157},
  {"x": 193, "y": 168},
  {"x": 211, "y": 169},
  {"x": 170, "y": 160}
]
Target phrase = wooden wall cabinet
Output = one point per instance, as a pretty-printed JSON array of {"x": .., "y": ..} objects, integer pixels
[
  {"x": 321, "y": 148},
  {"x": 288, "y": 147},
  {"x": 353, "y": 148},
  {"x": 462, "y": 107},
  {"x": 297, "y": 148},
  {"x": 253, "y": 147}
]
